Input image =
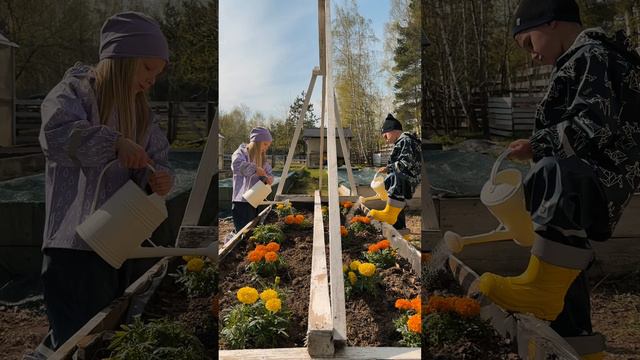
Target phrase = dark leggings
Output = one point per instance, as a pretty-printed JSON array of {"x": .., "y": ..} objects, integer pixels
[
  {"x": 243, "y": 213},
  {"x": 77, "y": 285}
]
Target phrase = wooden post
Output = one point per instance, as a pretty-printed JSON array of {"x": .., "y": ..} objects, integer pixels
[
  {"x": 322, "y": 133},
  {"x": 345, "y": 149},
  {"x": 296, "y": 134},
  {"x": 320, "y": 328},
  {"x": 335, "y": 240}
]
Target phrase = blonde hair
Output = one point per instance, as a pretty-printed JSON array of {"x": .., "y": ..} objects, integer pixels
[
  {"x": 114, "y": 78},
  {"x": 256, "y": 154}
]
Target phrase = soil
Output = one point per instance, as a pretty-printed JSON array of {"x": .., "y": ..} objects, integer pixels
[
  {"x": 21, "y": 330},
  {"x": 225, "y": 227},
  {"x": 295, "y": 279}
]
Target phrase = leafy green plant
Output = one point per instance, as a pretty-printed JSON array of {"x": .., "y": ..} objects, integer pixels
[
  {"x": 360, "y": 278},
  {"x": 259, "y": 321},
  {"x": 264, "y": 234},
  {"x": 284, "y": 209},
  {"x": 381, "y": 254},
  {"x": 409, "y": 324},
  {"x": 198, "y": 277},
  {"x": 157, "y": 339}
]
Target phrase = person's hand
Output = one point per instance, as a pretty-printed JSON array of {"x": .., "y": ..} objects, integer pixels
[
  {"x": 382, "y": 170},
  {"x": 269, "y": 180},
  {"x": 160, "y": 182},
  {"x": 260, "y": 171},
  {"x": 521, "y": 150},
  {"x": 130, "y": 154}
]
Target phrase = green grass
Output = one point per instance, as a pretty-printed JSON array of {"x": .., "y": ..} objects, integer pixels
[{"x": 306, "y": 181}]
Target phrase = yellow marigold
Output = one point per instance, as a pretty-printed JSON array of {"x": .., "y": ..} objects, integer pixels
[
  {"x": 268, "y": 295},
  {"x": 255, "y": 256},
  {"x": 270, "y": 257},
  {"x": 345, "y": 268},
  {"x": 383, "y": 244},
  {"x": 273, "y": 246},
  {"x": 274, "y": 305},
  {"x": 403, "y": 304},
  {"x": 352, "y": 277},
  {"x": 280, "y": 206},
  {"x": 467, "y": 307},
  {"x": 247, "y": 295},
  {"x": 416, "y": 304},
  {"x": 367, "y": 269},
  {"x": 415, "y": 323},
  {"x": 354, "y": 265},
  {"x": 195, "y": 265},
  {"x": 186, "y": 258},
  {"x": 373, "y": 249}
]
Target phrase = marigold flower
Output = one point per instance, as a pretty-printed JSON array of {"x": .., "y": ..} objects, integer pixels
[
  {"x": 415, "y": 323},
  {"x": 289, "y": 219},
  {"x": 466, "y": 307},
  {"x": 347, "y": 204},
  {"x": 416, "y": 304},
  {"x": 373, "y": 248},
  {"x": 345, "y": 268},
  {"x": 268, "y": 295},
  {"x": 255, "y": 256},
  {"x": 403, "y": 304},
  {"x": 343, "y": 231},
  {"x": 195, "y": 265},
  {"x": 247, "y": 295},
  {"x": 383, "y": 244},
  {"x": 188, "y": 257},
  {"x": 274, "y": 305},
  {"x": 352, "y": 277},
  {"x": 367, "y": 269},
  {"x": 273, "y": 246},
  {"x": 270, "y": 257},
  {"x": 280, "y": 206},
  {"x": 354, "y": 265},
  {"x": 438, "y": 304},
  {"x": 260, "y": 247},
  {"x": 299, "y": 219}
]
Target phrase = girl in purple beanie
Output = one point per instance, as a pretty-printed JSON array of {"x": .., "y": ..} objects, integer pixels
[
  {"x": 97, "y": 118},
  {"x": 249, "y": 165}
]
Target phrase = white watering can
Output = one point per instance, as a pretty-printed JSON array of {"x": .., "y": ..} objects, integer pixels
[
  {"x": 258, "y": 193},
  {"x": 504, "y": 197},
  {"x": 128, "y": 218},
  {"x": 377, "y": 184}
]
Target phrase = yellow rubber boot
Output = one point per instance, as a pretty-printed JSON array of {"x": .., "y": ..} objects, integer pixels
[
  {"x": 593, "y": 356},
  {"x": 540, "y": 290},
  {"x": 388, "y": 215}
]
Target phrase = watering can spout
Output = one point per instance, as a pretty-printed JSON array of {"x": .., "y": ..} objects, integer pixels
[{"x": 210, "y": 251}]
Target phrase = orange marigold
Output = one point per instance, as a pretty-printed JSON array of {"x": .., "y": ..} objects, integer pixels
[
  {"x": 416, "y": 304},
  {"x": 261, "y": 247},
  {"x": 347, "y": 204},
  {"x": 467, "y": 307},
  {"x": 299, "y": 219},
  {"x": 255, "y": 256},
  {"x": 373, "y": 248},
  {"x": 362, "y": 219},
  {"x": 270, "y": 257},
  {"x": 273, "y": 246},
  {"x": 289, "y": 219},
  {"x": 384, "y": 244},
  {"x": 415, "y": 323},
  {"x": 438, "y": 304},
  {"x": 343, "y": 231},
  {"x": 403, "y": 304}
]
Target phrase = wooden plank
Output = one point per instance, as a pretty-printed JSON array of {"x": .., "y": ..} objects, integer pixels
[
  {"x": 335, "y": 241},
  {"x": 321, "y": 160},
  {"x": 343, "y": 144},
  {"x": 206, "y": 169},
  {"x": 320, "y": 327},
  {"x": 322, "y": 38},
  {"x": 354, "y": 353},
  {"x": 299, "y": 125}
]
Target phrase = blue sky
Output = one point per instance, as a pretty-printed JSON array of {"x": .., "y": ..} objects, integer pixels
[{"x": 269, "y": 47}]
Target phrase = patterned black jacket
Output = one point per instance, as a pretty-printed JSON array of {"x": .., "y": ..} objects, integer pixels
[
  {"x": 405, "y": 159},
  {"x": 592, "y": 110}
]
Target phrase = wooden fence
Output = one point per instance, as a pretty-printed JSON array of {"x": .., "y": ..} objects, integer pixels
[
  {"x": 511, "y": 115},
  {"x": 183, "y": 121}
]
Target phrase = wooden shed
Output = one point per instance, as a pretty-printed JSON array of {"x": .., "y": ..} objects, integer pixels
[{"x": 311, "y": 138}]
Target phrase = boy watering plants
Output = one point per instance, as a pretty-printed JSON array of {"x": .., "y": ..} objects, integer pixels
[
  {"x": 403, "y": 171},
  {"x": 585, "y": 146}
]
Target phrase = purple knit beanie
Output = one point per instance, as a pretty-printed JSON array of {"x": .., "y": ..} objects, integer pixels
[
  {"x": 132, "y": 34},
  {"x": 260, "y": 134}
]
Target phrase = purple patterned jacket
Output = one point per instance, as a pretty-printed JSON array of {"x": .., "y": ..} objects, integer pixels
[{"x": 76, "y": 148}]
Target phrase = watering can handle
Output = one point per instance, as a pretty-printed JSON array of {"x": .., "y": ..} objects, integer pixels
[
  {"x": 496, "y": 165},
  {"x": 95, "y": 197}
]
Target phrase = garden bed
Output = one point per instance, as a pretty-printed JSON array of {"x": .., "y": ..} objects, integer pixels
[{"x": 294, "y": 279}]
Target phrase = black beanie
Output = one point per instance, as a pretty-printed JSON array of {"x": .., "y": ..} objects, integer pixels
[
  {"x": 390, "y": 124},
  {"x": 532, "y": 13}
]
